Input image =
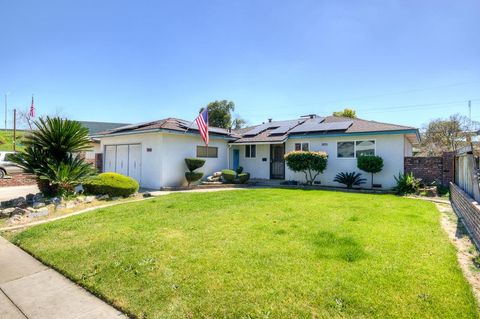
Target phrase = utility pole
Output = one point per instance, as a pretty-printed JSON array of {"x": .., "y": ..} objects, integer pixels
[
  {"x": 14, "y": 129},
  {"x": 6, "y": 112},
  {"x": 470, "y": 110}
]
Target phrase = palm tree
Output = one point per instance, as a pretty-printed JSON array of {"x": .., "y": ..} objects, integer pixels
[{"x": 52, "y": 154}]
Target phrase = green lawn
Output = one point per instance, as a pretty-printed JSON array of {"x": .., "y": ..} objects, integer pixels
[
  {"x": 265, "y": 253},
  {"x": 6, "y": 140}
]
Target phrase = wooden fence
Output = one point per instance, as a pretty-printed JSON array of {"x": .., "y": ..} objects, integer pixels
[{"x": 465, "y": 193}]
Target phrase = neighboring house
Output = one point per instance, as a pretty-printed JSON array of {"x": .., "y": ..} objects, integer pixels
[{"x": 154, "y": 152}]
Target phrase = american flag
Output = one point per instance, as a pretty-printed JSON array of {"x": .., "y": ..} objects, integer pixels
[
  {"x": 32, "y": 109},
  {"x": 202, "y": 123}
]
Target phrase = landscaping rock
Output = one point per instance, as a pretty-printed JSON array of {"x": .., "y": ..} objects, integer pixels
[
  {"x": 89, "y": 199},
  {"x": 38, "y": 205},
  {"x": 4, "y": 214},
  {"x": 60, "y": 206},
  {"x": 70, "y": 204},
  {"x": 7, "y": 212},
  {"x": 217, "y": 174},
  {"x": 19, "y": 202},
  {"x": 54, "y": 200},
  {"x": 15, "y": 219},
  {"x": 78, "y": 189},
  {"x": 147, "y": 194},
  {"x": 116, "y": 198},
  {"x": 30, "y": 198},
  {"x": 38, "y": 197},
  {"x": 39, "y": 213},
  {"x": 103, "y": 197}
]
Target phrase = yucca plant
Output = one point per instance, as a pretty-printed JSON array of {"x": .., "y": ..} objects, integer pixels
[
  {"x": 407, "y": 184},
  {"x": 51, "y": 153},
  {"x": 349, "y": 179}
]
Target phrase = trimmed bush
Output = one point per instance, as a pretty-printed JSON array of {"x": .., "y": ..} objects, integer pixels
[
  {"x": 239, "y": 170},
  {"x": 243, "y": 177},
  {"x": 229, "y": 175},
  {"x": 370, "y": 164},
  {"x": 194, "y": 163},
  {"x": 111, "y": 184},
  {"x": 193, "y": 177},
  {"x": 311, "y": 164}
]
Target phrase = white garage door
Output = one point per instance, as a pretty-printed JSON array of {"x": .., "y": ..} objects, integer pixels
[{"x": 125, "y": 159}]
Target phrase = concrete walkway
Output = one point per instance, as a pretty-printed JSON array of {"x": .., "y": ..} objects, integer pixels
[{"x": 29, "y": 289}]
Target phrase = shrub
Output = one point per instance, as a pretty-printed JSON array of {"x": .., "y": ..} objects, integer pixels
[
  {"x": 406, "y": 184},
  {"x": 112, "y": 184},
  {"x": 193, "y": 177},
  {"x": 228, "y": 175},
  {"x": 194, "y": 163},
  {"x": 370, "y": 164},
  {"x": 310, "y": 163},
  {"x": 50, "y": 154},
  {"x": 243, "y": 177},
  {"x": 349, "y": 179},
  {"x": 239, "y": 170}
]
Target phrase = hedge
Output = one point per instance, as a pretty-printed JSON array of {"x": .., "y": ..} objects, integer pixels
[
  {"x": 194, "y": 163},
  {"x": 229, "y": 175},
  {"x": 193, "y": 176},
  {"x": 243, "y": 177},
  {"x": 112, "y": 184}
]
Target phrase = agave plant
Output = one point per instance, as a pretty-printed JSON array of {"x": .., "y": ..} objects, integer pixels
[
  {"x": 51, "y": 154},
  {"x": 407, "y": 183},
  {"x": 349, "y": 179}
]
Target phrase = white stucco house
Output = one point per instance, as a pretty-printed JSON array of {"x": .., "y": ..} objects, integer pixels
[{"x": 153, "y": 153}]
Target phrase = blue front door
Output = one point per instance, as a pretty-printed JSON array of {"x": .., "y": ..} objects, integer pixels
[{"x": 236, "y": 159}]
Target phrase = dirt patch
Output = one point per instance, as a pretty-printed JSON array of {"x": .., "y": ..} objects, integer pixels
[
  {"x": 17, "y": 180},
  {"x": 466, "y": 250}
]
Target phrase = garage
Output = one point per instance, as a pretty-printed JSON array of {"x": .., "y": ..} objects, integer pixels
[{"x": 125, "y": 159}]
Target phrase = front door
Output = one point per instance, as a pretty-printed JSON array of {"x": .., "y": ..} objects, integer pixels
[
  {"x": 236, "y": 159},
  {"x": 277, "y": 162}
]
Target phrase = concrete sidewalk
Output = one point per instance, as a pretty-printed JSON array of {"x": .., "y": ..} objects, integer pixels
[{"x": 29, "y": 289}]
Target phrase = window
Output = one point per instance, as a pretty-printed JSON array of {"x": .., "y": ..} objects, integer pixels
[
  {"x": 353, "y": 149},
  {"x": 250, "y": 151},
  {"x": 364, "y": 148},
  {"x": 302, "y": 147},
  {"x": 204, "y": 151}
]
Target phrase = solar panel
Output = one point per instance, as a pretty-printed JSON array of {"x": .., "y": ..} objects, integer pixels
[
  {"x": 286, "y": 127},
  {"x": 258, "y": 129},
  {"x": 314, "y": 126}
]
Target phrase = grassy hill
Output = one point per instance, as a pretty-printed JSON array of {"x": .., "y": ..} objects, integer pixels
[{"x": 6, "y": 140}]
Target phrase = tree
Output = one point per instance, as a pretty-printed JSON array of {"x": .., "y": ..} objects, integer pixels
[
  {"x": 220, "y": 115},
  {"x": 449, "y": 134},
  {"x": 311, "y": 164},
  {"x": 346, "y": 113},
  {"x": 370, "y": 164},
  {"x": 52, "y": 154}
]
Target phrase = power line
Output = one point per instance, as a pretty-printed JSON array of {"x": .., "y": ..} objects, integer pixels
[{"x": 378, "y": 95}]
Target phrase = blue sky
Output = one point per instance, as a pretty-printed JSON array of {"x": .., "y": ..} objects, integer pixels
[{"x": 132, "y": 61}]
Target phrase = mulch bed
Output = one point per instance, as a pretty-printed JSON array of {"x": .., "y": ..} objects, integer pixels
[{"x": 17, "y": 180}]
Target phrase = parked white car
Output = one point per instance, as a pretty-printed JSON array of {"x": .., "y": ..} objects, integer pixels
[{"x": 7, "y": 167}]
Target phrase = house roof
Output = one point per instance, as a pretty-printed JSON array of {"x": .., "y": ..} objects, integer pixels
[
  {"x": 317, "y": 125},
  {"x": 272, "y": 131},
  {"x": 172, "y": 124},
  {"x": 96, "y": 127}
]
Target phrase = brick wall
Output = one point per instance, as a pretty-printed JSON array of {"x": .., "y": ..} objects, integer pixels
[
  {"x": 468, "y": 210},
  {"x": 438, "y": 169}
]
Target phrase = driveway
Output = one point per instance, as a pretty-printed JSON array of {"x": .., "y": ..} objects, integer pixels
[{"x": 7, "y": 193}]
